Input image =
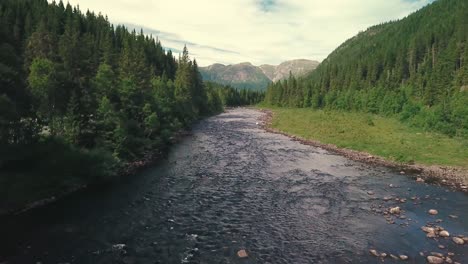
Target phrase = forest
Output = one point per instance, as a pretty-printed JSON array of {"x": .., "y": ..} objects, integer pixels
[
  {"x": 81, "y": 100},
  {"x": 415, "y": 69},
  {"x": 233, "y": 97}
]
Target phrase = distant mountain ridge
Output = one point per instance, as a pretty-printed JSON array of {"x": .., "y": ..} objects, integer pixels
[{"x": 246, "y": 75}]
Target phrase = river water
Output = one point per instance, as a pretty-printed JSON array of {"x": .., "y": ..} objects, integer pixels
[{"x": 233, "y": 186}]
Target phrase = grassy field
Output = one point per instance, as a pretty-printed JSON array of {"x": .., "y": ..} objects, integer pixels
[{"x": 385, "y": 137}]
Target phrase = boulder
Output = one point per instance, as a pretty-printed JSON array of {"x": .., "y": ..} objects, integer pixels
[
  {"x": 374, "y": 252},
  {"x": 395, "y": 210},
  {"x": 458, "y": 240},
  {"x": 444, "y": 234},
  {"x": 435, "y": 260},
  {"x": 433, "y": 212},
  {"x": 242, "y": 253}
]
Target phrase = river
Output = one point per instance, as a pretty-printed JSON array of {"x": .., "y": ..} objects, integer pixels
[{"x": 233, "y": 186}]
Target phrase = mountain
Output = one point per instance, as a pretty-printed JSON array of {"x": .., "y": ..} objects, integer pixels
[
  {"x": 246, "y": 75},
  {"x": 242, "y": 75},
  {"x": 296, "y": 67},
  {"x": 415, "y": 68}
]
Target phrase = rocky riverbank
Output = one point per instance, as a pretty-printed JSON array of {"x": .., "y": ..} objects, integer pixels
[{"x": 453, "y": 177}]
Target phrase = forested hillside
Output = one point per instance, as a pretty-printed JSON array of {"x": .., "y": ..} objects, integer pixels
[
  {"x": 231, "y": 96},
  {"x": 81, "y": 99},
  {"x": 415, "y": 68}
]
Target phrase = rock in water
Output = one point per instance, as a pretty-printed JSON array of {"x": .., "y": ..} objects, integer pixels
[
  {"x": 117, "y": 247},
  {"x": 435, "y": 260},
  {"x": 403, "y": 257},
  {"x": 374, "y": 252},
  {"x": 428, "y": 229},
  {"x": 419, "y": 180},
  {"x": 444, "y": 234},
  {"x": 242, "y": 253},
  {"x": 458, "y": 240},
  {"x": 395, "y": 210},
  {"x": 433, "y": 212}
]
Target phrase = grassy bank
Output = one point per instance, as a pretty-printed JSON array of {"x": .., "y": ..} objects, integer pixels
[{"x": 385, "y": 137}]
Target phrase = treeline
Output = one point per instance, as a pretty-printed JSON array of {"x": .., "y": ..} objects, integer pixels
[
  {"x": 415, "y": 68},
  {"x": 233, "y": 97},
  {"x": 80, "y": 98}
]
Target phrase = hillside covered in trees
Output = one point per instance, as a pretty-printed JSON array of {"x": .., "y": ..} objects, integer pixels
[
  {"x": 233, "y": 97},
  {"x": 415, "y": 68},
  {"x": 81, "y": 99}
]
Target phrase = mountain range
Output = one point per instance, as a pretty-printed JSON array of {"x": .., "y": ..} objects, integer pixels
[{"x": 246, "y": 75}]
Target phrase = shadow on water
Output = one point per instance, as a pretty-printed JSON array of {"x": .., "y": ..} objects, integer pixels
[{"x": 232, "y": 186}]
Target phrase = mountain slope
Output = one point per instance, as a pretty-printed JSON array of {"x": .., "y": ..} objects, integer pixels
[
  {"x": 243, "y": 75},
  {"x": 246, "y": 75},
  {"x": 416, "y": 67},
  {"x": 296, "y": 67}
]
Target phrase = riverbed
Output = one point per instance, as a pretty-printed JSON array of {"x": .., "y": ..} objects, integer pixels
[{"x": 233, "y": 186}]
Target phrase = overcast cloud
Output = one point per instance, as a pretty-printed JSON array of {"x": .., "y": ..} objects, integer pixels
[{"x": 258, "y": 31}]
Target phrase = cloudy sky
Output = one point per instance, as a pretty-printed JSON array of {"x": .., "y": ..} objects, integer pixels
[{"x": 258, "y": 31}]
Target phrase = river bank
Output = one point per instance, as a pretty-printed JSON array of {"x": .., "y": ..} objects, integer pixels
[
  {"x": 125, "y": 170},
  {"x": 450, "y": 176}
]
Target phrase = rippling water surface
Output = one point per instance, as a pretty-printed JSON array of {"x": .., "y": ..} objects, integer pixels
[{"x": 233, "y": 186}]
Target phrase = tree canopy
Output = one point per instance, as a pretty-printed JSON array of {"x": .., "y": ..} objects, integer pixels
[{"x": 415, "y": 68}]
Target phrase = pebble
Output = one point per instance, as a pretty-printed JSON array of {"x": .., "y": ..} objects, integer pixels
[
  {"x": 431, "y": 235},
  {"x": 419, "y": 179},
  {"x": 370, "y": 193},
  {"x": 453, "y": 216},
  {"x": 441, "y": 246},
  {"x": 374, "y": 252},
  {"x": 448, "y": 260},
  {"x": 458, "y": 240},
  {"x": 383, "y": 255},
  {"x": 433, "y": 212},
  {"x": 242, "y": 253},
  {"x": 444, "y": 234},
  {"x": 435, "y": 260},
  {"x": 403, "y": 257}
]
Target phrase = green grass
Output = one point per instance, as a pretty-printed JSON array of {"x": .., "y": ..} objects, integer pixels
[{"x": 385, "y": 137}]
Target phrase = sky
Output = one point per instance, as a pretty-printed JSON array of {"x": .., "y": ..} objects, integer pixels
[{"x": 256, "y": 31}]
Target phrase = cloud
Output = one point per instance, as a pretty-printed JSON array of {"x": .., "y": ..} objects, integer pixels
[
  {"x": 266, "y": 5},
  {"x": 259, "y": 31}
]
